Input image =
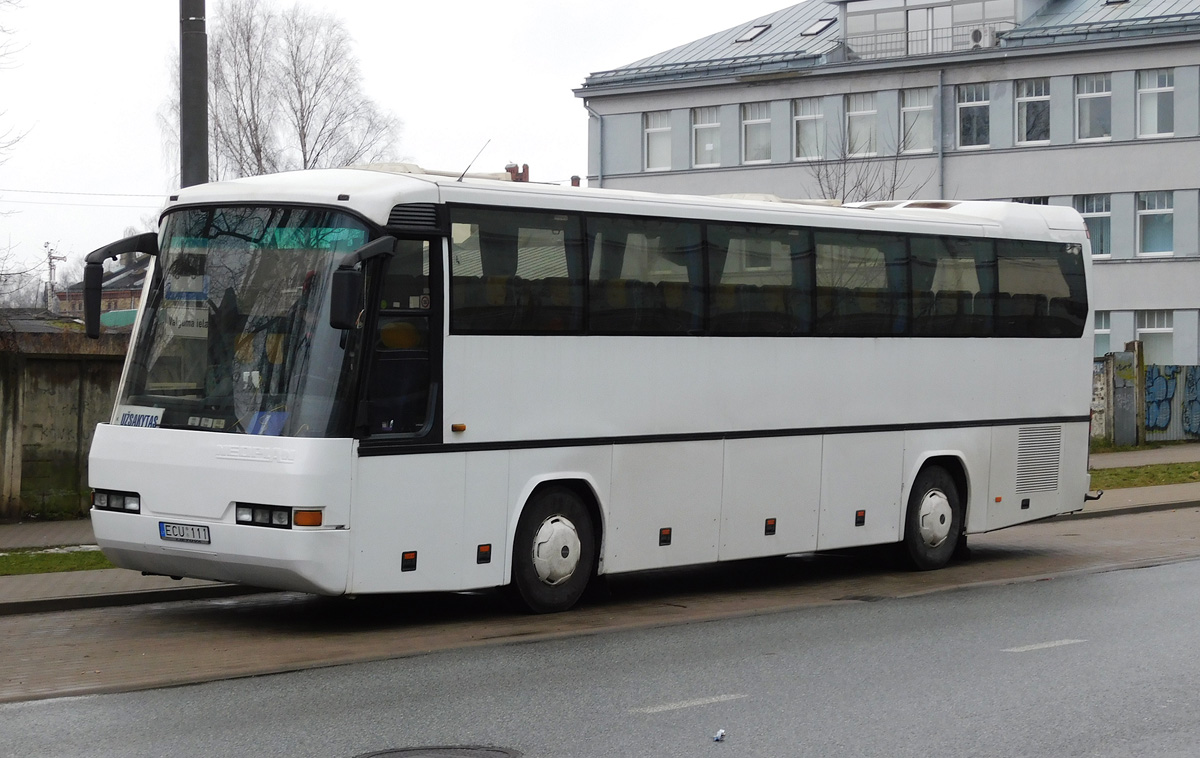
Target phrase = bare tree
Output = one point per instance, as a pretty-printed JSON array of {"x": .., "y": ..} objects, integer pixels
[
  {"x": 19, "y": 284},
  {"x": 285, "y": 93},
  {"x": 853, "y": 174}
]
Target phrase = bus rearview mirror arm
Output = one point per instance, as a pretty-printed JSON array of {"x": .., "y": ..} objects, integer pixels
[
  {"x": 346, "y": 289},
  {"x": 93, "y": 274}
]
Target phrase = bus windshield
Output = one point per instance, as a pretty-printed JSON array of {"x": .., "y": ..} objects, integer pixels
[{"x": 234, "y": 333}]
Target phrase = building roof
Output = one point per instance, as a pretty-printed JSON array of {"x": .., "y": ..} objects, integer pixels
[
  {"x": 784, "y": 45},
  {"x": 128, "y": 277},
  {"x": 1062, "y": 21}
]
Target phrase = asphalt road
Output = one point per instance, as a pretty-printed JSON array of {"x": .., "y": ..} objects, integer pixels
[{"x": 1095, "y": 664}]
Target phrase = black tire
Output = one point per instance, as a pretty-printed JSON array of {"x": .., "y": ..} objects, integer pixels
[
  {"x": 934, "y": 524},
  {"x": 554, "y": 551}
]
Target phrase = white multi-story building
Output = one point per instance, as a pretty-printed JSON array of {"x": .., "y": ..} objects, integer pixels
[{"x": 1083, "y": 103}]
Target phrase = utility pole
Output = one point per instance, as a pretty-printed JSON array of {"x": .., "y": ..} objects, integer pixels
[
  {"x": 193, "y": 94},
  {"x": 51, "y": 300}
]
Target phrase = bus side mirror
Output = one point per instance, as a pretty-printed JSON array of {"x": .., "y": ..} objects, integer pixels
[
  {"x": 346, "y": 288},
  {"x": 93, "y": 274},
  {"x": 345, "y": 298},
  {"x": 93, "y": 278}
]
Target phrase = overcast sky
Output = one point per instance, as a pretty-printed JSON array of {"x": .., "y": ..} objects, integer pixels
[{"x": 87, "y": 79}]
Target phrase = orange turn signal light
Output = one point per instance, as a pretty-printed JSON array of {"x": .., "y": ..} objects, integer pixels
[
  {"x": 458, "y": 427},
  {"x": 306, "y": 518}
]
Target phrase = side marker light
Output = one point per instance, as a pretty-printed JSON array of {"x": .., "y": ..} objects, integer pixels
[{"x": 307, "y": 518}]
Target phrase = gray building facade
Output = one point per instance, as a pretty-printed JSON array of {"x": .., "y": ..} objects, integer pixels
[{"x": 1094, "y": 105}]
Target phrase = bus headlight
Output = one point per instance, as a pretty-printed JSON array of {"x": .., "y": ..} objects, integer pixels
[
  {"x": 107, "y": 500},
  {"x": 253, "y": 514}
]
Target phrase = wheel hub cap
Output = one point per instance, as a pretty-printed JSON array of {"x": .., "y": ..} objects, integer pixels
[
  {"x": 556, "y": 550},
  {"x": 935, "y": 518}
]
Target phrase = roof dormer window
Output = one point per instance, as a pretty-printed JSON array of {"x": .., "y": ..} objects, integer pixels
[
  {"x": 818, "y": 27},
  {"x": 753, "y": 32}
]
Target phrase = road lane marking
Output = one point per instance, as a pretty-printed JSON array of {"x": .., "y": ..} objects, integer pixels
[
  {"x": 1041, "y": 646},
  {"x": 688, "y": 704}
]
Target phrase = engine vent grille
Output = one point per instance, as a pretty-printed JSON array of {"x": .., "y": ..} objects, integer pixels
[
  {"x": 1038, "y": 451},
  {"x": 415, "y": 217}
]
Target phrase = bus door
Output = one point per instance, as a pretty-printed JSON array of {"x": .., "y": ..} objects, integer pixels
[{"x": 400, "y": 392}]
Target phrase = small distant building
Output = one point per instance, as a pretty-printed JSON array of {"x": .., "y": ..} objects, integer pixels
[{"x": 122, "y": 289}]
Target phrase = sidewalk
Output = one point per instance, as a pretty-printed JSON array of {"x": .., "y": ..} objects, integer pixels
[{"x": 33, "y": 593}]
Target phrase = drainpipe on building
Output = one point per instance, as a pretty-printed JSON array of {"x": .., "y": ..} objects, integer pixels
[
  {"x": 941, "y": 159},
  {"x": 600, "y": 139}
]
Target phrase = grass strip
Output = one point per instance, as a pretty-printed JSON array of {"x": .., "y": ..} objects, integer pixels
[
  {"x": 18, "y": 562},
  {"x": 1145, "y": 476}
]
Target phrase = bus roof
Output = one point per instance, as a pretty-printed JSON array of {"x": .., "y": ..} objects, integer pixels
[{"x": 374, "y": 190}]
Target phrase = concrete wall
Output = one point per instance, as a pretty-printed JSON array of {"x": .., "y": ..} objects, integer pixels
[{"x": 54, "y": 389}]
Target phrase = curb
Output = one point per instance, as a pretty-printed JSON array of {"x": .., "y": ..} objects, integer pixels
[
  {"x": 1126, "y": 510},
  {"x": 117, "y": 599}
]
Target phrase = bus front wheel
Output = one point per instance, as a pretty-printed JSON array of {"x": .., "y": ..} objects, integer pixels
[
  {"x": 554, "y": 551},
  {"x": 934, "y": 524}
]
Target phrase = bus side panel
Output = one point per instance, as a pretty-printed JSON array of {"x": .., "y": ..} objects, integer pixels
[
  {"x": 407, "y": 503},
  {"x": 486, "y": 515},
  {"x": 674, "y": 486},
  {"x": 529, "y": 468},
  {"x": 775, "y": 478},
  {"x": 973, "y": 447},
  {"x": 1038, "y": 470},
  {"x": 860, "y": 472}
]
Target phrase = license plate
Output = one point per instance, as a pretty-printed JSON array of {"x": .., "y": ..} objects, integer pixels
[{"x": 183, "y": 532}]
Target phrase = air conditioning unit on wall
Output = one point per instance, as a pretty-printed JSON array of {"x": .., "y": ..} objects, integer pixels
[{"x": 982, "y": 36}]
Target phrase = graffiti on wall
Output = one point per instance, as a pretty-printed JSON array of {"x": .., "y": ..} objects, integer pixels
[
  {"x": 1160, "y": 392},
  {"x": 1191, "y": 401}
]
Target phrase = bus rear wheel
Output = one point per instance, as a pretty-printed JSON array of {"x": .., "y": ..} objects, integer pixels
[
  {"x": 934, "y": 523},
  {"x": 554, "y": 551}
]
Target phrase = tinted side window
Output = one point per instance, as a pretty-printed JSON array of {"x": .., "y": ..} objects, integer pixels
[
  {"x": 953, "y": 287},
  {"x": 760, "y": 280},
  {"x": 646, "y": 277},
  {"x": 515, "y": 272},
  {"x": 861, "y": 284},
  {"x": 1041, "y": 289}
]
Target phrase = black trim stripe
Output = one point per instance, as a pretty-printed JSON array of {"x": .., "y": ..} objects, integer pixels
[{"x": 371, "y": 448}]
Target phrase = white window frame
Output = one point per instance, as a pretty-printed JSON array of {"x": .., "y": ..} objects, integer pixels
[
  {"x": 968, "y": 96},
  {"x": 1030, "y": 91},
  {"x": 1089, "y": 87},
  {"x": 861, "y": 107},
  {"x": 702, "y": 125},
  {"x": 916, "y": 104},
  {"x": 1151, "y": 204},
  {"x": 754, "y": 117},
  {"x": 655, "y": 124},
  {"x": 1155, "y": 322},
  {"x": 1156, "y": 82},
  {"x": 1103, "y": 322},
  {"x": 1096, "y": 207},
  {"x": 803, "y": 114}
]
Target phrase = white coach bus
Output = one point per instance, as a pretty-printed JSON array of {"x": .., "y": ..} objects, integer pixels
[{"x": 364, "y": 380}]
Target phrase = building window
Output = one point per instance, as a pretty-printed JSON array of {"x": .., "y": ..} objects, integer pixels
[
  {"x": 1035, "y": 200},
  {"x": 1154, "y": 331},
  {"x": 1097, "y": 214},
  {"x": 1033, "y": 111},
  {"x": 756, "y": 133},
  {"x": 1156, "y": 103},
  {"x": 658, "y": 141},
  {"x": 706, "y": 137},
  {"x": 808, "y": 129},
  {"x": 1093, "y": 107},
  {"x": 1102, "y": 343},
  {"x": 860, "y": 124},
  {"x": 1155, "y": 223},
  {"x": 973, "y": 105},
  {"x": 916, "y": 120}
]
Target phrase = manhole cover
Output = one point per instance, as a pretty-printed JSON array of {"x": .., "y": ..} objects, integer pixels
[{"x": 445, "y": 752}]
